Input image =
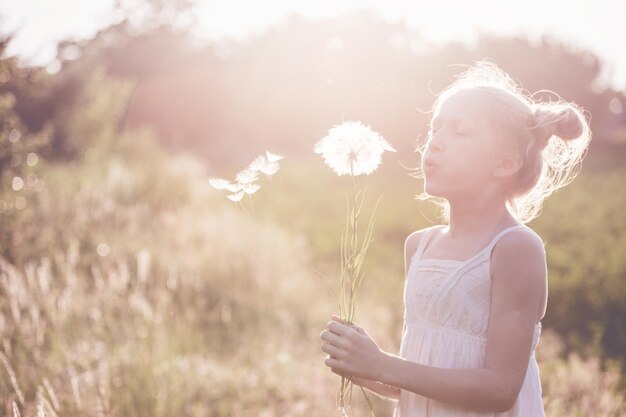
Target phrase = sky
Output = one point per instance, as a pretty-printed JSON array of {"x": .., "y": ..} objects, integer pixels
[{"x": 597, "y": 26}]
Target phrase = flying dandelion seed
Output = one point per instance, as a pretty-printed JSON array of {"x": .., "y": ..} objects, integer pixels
[
  {"x": 222, "y": 184},
  {"x": 270, "y": 168},
  {"x": 219, "y": 183},
  {"x": 245, "y": 180},
  {"x": 247, "y": 176},
  {"x": 352, "y": 148},
  {"x": 258, "y": 163},
  {"x": 273, "y": 157},
  {"x": 236, "y": 197},
  {"x": 267, "y": 164},
  {"x": 234, "y": 188},
  {"x": 251, "y": 188}
]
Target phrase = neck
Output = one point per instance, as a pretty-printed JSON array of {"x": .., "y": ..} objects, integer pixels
[{"x": 475, "y": 217}]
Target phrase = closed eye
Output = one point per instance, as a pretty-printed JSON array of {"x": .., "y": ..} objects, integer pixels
[{"x": 434, "y": 128}]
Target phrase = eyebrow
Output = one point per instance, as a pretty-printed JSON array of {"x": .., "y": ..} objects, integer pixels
[{"x": 453, "y": 120}]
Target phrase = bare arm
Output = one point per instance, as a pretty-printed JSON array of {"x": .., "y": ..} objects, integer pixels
[
  {"x": 517, "y": 286},
  {"x": 382, "y": 390}
]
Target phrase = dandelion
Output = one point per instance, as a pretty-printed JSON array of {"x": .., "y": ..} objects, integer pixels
[
  {"x": 352, "y": 149},
  {"x": 245, "y": 180}
]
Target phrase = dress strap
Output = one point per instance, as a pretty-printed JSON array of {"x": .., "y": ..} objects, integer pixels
[
  {"x": 428, "y": 235},
  {"x": 499, "y": 235},
  {"x": 457, "y": 274}
]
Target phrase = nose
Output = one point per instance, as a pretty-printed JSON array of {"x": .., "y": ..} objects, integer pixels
[{"x": 435, "y": 144}]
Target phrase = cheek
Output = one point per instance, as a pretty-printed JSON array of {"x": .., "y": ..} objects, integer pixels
[
  {"x": 473, "y": 165},
  {"x": 456, "y": 178}
]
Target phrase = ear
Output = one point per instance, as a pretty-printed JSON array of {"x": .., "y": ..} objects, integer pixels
[{"x": 507, "y": 166}]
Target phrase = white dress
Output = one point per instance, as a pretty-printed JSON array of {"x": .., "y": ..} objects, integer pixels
[{"x": 446, "y": 314}]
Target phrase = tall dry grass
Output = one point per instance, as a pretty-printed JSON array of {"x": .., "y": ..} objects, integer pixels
[
  {"x": 127, "y": 340},
  {"x": 190, "y": 308}
]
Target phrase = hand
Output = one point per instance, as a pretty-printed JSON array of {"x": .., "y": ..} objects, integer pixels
[{"x": 352, "y": 352}]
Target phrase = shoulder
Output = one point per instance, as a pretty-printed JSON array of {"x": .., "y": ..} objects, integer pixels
[
  {"x": 520, "y": 256},
  {"x": 414, "y": 238},
  {"x": 524, "y": 244},
  {"x": 412, "y": 241}
]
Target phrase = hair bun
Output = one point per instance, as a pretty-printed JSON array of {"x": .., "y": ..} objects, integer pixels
[{"x": 554, "y": 119}]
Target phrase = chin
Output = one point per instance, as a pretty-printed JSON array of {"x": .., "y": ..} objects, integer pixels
[
  {"x": 431, "y": 189},
  {"x": 434, "y": 189}
]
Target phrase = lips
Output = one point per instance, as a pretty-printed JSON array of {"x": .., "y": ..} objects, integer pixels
[{"x": 428, "y": 163}]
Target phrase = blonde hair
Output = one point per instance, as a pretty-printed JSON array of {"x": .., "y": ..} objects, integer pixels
[{"x": 550, "y": 137}]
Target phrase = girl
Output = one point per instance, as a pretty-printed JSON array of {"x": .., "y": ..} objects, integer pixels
[{"x": 476, "y": 288}]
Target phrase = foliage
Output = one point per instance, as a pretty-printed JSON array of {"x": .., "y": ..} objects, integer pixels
[
  {"x": 584, "y": 228},
  {"x": 189, "y": 93},
  {"x": 19, "y": 159}
]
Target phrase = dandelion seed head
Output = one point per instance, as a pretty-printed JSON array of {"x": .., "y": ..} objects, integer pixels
[
  {"x": 246, "y": 176},
  {"x": 270, "y": 169},
  {"x": 352, "y": 149},
  {"x": 258, "y": 163}
]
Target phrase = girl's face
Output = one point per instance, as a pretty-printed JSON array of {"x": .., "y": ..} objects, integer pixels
[{"x": 459, "y": 159}]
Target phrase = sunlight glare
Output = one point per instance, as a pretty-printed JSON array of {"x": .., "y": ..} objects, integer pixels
[{"x": 239, "y": 18}]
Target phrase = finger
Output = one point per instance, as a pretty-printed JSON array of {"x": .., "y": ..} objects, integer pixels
[
  {"x": 332, "y": 363},
  {"x": 361, "y": 330},
  {"x": 356, "y": 327},
  {"x": 338, "y": 329},
  {"x": 348, "y": 324},
  {"x": 340, "y": 320},
  {"x": 332, "y": 350},
  {"x": 331, "y": 337}
]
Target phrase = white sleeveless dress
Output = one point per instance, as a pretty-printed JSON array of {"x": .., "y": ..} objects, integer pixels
[{"x": 447, "y": 304}]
